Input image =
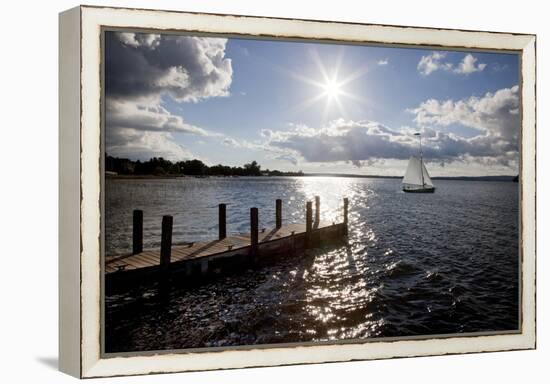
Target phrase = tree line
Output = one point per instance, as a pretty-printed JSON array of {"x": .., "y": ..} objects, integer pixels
[{"x": 159, "y": 166}]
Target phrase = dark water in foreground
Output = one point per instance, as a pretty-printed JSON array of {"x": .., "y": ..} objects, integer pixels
[{"x": 415, "y": 264}]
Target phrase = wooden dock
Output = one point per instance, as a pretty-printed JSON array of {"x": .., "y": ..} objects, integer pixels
[{"x": 226, "y": 252}]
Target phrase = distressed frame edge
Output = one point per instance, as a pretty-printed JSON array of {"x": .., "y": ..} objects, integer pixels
[
  {"x": 528, "y": 239},
  {"x": 69, "y": 192},
  {"x": 92, "y": 365}
]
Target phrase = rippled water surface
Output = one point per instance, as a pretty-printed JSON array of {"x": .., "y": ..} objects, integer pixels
[{"x": 414, "y": 264}]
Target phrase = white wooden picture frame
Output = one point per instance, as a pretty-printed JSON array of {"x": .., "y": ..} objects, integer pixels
[{"x": 80, "y": 278}]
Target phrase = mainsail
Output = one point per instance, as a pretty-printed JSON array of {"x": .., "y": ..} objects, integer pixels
[
  {"x": 416, "y": 178},
  {"x": 417, "y": 175}
]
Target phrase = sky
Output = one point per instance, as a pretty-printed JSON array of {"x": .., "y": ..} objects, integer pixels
[{"x": 314, "y": 107}]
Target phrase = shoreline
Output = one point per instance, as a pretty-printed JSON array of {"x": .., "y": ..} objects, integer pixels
[{"x": 501, "y": 178}]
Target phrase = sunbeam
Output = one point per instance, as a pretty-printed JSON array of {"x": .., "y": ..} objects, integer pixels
[{"x": 331, "y": 85}]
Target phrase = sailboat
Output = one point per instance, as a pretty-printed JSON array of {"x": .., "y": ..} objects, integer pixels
[{"x": 417, "y": 179}]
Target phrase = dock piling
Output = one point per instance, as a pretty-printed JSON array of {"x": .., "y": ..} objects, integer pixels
[
  {"x": 166, "y": 240},
  {"x": 207, "y": 257},
  {"x": 137, "y": 232},
  {"x": 346, "y": 204},
  {"x": 309, "y": 222},
  {"x": 309, "y": 217},
  {"x": 222, "y": 228},
  {"x": 254, "y": 231},
  {"x": 317, "y": 210},
  {"x": 278, "y": 213}
]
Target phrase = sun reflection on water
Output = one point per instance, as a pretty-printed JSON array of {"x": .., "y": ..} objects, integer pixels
[
  {"x": 334, "y": 297},
  {"x": 331, "y": 191}
]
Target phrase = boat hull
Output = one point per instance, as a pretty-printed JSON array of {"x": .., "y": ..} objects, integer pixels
[{"x": 419, "y": 190}]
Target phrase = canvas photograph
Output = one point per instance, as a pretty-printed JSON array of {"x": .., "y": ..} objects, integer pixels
[{"x": 265, "y": 192}]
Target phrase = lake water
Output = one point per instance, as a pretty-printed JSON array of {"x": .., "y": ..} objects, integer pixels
[{"x": 415, "y": 264}]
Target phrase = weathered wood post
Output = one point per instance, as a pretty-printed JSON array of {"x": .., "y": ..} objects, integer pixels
[
  {"x": 346, "y": 204},
  {"x": 309, "y": 219},
  {"x": 166, "y": 240},
  {"x": 204, "y": 266},
  {"x": 254, "y": 232},
  {"x": 137, "y": 232},
  {"x": 278, "y": 213},
  {"x": 317, "y": 210},
  {"x": 222, "y": 228}
]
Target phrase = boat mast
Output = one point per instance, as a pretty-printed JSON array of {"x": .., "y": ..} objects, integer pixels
[{"x": 421, "y": 170}]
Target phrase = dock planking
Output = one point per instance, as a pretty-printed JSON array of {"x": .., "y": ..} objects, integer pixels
[
  {"x": 200, "y": 257},
  {"x": 151, "y": 258}
]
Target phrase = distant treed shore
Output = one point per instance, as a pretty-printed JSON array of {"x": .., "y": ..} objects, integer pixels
[{"x": 158, "y": 166}]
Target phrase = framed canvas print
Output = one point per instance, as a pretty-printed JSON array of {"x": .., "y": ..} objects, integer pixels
[{"x": 248, "y": 191}]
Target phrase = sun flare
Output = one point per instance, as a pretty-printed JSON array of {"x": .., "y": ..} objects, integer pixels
[{"x": 332, "y": 89}]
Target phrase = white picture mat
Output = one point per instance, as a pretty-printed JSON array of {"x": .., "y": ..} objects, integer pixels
[{"x": 94, "y": 18}]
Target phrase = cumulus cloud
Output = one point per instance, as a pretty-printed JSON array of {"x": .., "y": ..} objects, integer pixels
[
  {"x": 141, "y": 70},
  {"x": 342, "y": 140},
  {"x": 122, "y": 114},
  {"x": 468, "y": 65},
  {"x": 140, "y": 145},
  {"x": 186, "y": 68},
  {"x": 495, "y": 113},
  {"x": 366, "y": 142},
  {"x": 149, "y": 40},
  {"x": 383, "y": 62},
  {"x": 435, "y": 62},
  {"x": 432, "y": 63}
]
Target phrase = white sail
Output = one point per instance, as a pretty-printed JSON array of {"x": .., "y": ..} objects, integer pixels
[
  {"x": 417, "y": 175},
  {"x": 427, "y": 180},
  {"x": 413, "y": 175}
]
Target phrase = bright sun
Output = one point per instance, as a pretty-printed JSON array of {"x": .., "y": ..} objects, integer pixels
[
  {"x": 331, "y": 85},
  {"x": 332, "y": 89}
]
